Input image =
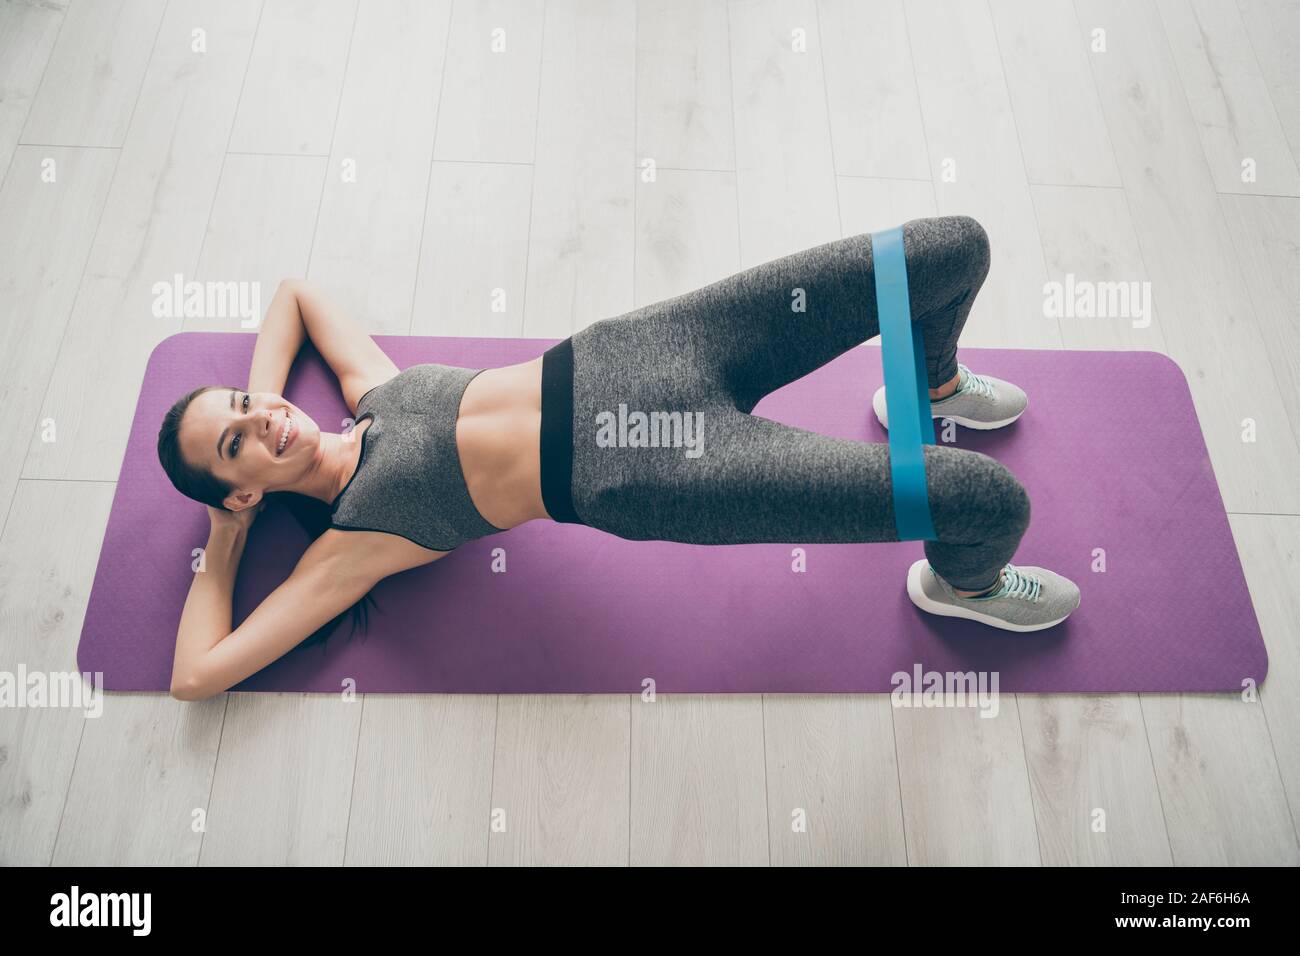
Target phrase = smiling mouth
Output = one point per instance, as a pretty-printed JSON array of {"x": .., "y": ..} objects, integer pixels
[{"x": 287, "y": 431}]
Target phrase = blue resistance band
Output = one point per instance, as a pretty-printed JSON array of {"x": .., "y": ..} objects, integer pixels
[{"x": 906, "y": 391}]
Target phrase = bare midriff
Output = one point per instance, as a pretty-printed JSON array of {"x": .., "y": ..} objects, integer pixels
[{"x": 498, "y": 436}]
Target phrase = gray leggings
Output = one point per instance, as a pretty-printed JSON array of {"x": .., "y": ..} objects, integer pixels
[{"x": 718, "y": 350}]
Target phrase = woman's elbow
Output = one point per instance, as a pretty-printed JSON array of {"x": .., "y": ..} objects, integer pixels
[
  {"x": 189, "y": 688},
  {"x": 183, "y": 690}
]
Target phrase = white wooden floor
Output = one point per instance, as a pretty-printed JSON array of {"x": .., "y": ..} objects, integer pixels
[{"x": 1103, "y": 138}]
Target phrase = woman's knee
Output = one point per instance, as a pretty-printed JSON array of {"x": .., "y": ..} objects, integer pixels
[
  {"x": 954, "y": 249},
  {"x": 1010, "y": 505},
  {"x": 973, "y": 496},
  {"x": 969, "y": 237}
]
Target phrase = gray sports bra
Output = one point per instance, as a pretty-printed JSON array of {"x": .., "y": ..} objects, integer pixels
[{"x": 408, "y": 480}]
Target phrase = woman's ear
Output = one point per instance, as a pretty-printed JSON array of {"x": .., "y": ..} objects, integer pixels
[{"x": 239, "y": 500}]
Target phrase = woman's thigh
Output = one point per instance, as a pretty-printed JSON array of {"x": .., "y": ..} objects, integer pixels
[
  {"x": 744, "y": 479},
  {"x": 737, "y": 479},
  {"x": 746, "y": 335}
]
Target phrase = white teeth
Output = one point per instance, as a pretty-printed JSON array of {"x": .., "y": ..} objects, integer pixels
[{"x": 284, "y": 434}]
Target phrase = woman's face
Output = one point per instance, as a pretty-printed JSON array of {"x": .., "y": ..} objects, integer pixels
[{"x": 255, "y": 442}]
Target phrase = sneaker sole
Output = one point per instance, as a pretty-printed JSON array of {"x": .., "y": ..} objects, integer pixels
[
  {"x": 959, "y": 419},
  {"x": 926, "y": 603},
  {"x": 971, "y": 423}
]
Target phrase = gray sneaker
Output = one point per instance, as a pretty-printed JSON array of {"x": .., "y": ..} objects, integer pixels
[
  {"x": 981, "y": 401},
  {"x": 1030, "y": 599}
]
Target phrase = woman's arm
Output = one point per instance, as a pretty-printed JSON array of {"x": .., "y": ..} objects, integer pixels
[
  {"x": 278, "y": 341},
  {"x": 300, "y": 310},
  {"x": 328, "y": 579},
  {"x": 205, "y": 619}
]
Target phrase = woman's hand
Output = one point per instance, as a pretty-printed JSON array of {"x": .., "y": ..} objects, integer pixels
[{"x": 240, "y": 520}]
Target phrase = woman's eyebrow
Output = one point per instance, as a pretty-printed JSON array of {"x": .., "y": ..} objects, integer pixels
[{"x": 221, "y": 439}]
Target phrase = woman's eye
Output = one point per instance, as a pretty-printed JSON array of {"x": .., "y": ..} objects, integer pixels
[{"x": 237, "y": 440}]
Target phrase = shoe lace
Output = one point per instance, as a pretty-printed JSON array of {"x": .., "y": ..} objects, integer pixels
[
  {"x": 1019, "y": 584},
  {"x": 975, "y": 383}
]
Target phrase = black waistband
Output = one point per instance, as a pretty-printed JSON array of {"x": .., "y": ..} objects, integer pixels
[{"x": 557, "y": 432}]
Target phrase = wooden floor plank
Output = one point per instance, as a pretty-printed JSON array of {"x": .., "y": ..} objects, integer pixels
[
  {"x": 965, "y": 787},
  {"x": 50, "y": 209},
  {"x": 697, "y": 781},
  {"x": 686, "y": 232},
  {"x": 581, "y": 229},
  {"x": 1244, "y": 142},
  {"x": 832, "y": 781},
  {"x": 295, "y": 77},
  {"x": 93, "y": 76},
  {"x": 46, "y": 569},
  {"x": 785, "y": 169},
  {"x": 1058, "y": 118},
  {"x": 683, "y": 85},
  {"x": 1088, "y": 238},
  {"x": 1220, "y": 785},
  {"x": 474, "y": 259},
  {"x": 260, "y": 230},
  {"x": 1272, "y": 567},
  {"x": 282, "y": 786},
  {"x": 140, "y": 792},
  {"x": 423, "y": 783},
  {"x": 1095, "y": 795},
  {"x": 560, "y": 781},
  {"x": 1265, "y": 233},
  {"x": 489, "y": 97},
  {"x": 1274, "y": 29},
  {"x": 871, "y": 93},
  {"x": 27, "y": 35}
]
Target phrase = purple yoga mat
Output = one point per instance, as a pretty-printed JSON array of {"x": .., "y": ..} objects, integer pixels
[{"x": 1110, "y": 450}]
